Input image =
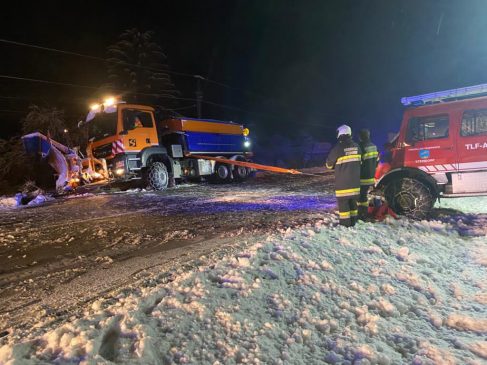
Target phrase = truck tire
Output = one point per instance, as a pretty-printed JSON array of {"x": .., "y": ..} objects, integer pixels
[
  {"x": 157, "y": 176},
  {"x": 222, "y": 174},
  {"x": 240, "y": 173},
  {"x": 409, "y": 197}
]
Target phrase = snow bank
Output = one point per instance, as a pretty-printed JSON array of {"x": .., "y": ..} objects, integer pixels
[
  {"x": 397, "y": 292},
  {"x": 475, "y": 205},
  {"x": 11, "y": 202},
  {"x": 7, "y": 202}
]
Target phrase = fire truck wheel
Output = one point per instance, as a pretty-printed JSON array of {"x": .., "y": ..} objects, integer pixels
[
  {"x": 409, "y": 197},
  {"x": 157, "y": 176}
]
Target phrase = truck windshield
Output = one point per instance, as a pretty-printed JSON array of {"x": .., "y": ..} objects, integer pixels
[{"x": 103, "y": 125}]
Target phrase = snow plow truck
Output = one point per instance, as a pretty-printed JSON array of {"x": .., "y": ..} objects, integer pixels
[
  {"x": 440, "y": 151},
  {"x": 137, "y": 146},
  {"x": 127, "y": 142}
]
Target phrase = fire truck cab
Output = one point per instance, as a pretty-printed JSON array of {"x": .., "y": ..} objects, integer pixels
[{"x": 440, "y": 150}]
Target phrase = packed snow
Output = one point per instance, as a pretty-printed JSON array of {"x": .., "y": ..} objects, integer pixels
[
  {"x": 473, "y": 205},
  {"x": 7, "y": 202},
  {"x": 396, "y": 292}
]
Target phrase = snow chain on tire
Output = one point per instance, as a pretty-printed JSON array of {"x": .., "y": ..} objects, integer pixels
[
  {"x": 409, "y": 197},
  {"x": 157, "y": 176}
]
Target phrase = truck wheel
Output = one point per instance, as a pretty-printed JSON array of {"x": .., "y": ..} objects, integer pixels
[
  {"x": 157, "y": 176},
  {"x": 222, "y": 174},
  {"x": 240, "y": 173},
  {"x": 409, "y": 197}
]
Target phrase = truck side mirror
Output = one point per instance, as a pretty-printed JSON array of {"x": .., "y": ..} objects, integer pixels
[{"x": 123, "y": 133}]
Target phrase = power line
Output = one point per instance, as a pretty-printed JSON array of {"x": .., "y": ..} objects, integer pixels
[
  {"x": 267, "y": 99},
  {"x": 140, "y": 93},
  {"x": 13, "y": 111},
  {"x": 92, "y": 57},
  {"x": 130, "y": 64},
  {"x": 47, "y": 82},
  {"x": 165, "y": 96}
]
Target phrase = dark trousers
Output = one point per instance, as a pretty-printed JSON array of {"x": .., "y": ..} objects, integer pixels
[
  {"x": 347, "y": 208},
  {"x": 363, "y": 201}
]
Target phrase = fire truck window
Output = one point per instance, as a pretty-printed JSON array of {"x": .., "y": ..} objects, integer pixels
[
  {"x": 426, "y": 128},
  {"x": 135, "y": 119},
  {"x": 474, "y": 123}
]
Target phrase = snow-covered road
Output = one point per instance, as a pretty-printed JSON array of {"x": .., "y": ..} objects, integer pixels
[
  {"x": 69, "y": 251},
  {"x": 298, "y": 291}
]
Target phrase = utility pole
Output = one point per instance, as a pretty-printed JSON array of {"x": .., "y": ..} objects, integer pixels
[{"x": 199, "y": 94}]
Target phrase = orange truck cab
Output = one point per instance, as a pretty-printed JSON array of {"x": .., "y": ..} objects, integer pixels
[
  {"x": 136, "y": 146},
  {"x": 440, "y": 151}
]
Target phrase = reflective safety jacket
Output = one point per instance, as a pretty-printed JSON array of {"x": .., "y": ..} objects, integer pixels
[
  {"x": 345, "y": 157},
  {"x": 370, "y": 159}
]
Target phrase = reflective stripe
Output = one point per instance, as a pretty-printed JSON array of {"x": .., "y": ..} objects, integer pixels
[
  {"x": 367, "y": 181},
  {"x": 344, "y": 215},
  {"x": 354, "y": 213},
  {"x": 370, "y": 148},
  {"x": 368, "y": 155},
  {"x": 363, "y": 204},
  {"x": 347, "y": 192},
  {"x": 329, "y": 166},
  {"x": 349, "y": 158}
]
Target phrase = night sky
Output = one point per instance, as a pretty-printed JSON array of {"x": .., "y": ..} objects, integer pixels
[{"x": 298, "y": 66}]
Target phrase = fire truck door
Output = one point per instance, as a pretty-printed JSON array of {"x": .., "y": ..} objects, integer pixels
[
  {"x": 430, "y": 144},
  {"x": 472, "y": 153},
  {"x": 472, "y": 141}
]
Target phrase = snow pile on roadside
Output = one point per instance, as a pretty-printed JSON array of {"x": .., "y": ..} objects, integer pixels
[
  {"x": 398, "y": 292},
  {"x": 7, "y": 202},
  {"x": 474, "y": 205},
  {"x": 11, "y": 202},
  {"x": 468, "y": 216}
]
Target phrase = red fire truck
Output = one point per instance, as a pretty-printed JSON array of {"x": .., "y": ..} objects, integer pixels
[{"x": 440, "y": 150}]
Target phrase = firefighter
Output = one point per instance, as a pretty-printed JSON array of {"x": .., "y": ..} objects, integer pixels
[
  {"x": 345, "y": 158},
  {"x": 370, "y": 159}
]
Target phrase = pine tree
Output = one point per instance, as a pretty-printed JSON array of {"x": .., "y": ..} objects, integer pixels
[
  {"x": 137, "y": 68},
  {"x": 45, "y": 120}
]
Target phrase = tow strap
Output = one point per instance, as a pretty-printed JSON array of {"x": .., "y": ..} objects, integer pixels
[{"x": 253, "y": 165}]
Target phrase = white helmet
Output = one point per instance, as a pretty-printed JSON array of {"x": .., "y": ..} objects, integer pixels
[{"x": 344, "y": 129}]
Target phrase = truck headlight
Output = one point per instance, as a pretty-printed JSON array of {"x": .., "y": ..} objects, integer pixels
[
  {"x": 247, "y": 144},
  {"x": 109, "y": 101}
]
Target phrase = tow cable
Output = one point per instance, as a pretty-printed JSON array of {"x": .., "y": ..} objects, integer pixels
[{"x": 253, "y": 165}]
